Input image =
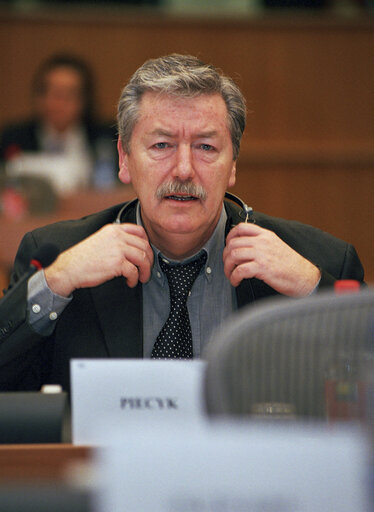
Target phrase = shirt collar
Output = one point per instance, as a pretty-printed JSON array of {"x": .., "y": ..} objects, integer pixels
[{"x": 213, "y": 247}]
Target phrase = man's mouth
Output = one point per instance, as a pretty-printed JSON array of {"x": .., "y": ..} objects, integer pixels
[
  {"x": 181, "y": 191},
  {"x": 181, "y": 198}
]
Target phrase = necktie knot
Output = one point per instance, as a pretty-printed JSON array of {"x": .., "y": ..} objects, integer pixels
[{"x": 180, "y": 276}]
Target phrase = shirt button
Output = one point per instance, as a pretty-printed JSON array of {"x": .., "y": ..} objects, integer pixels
[
  {"x": 36, "y": 308},
  {"x": 158, "y": 274},
  {"x": 208, "y": 270},
  {"x": 53, "y": 315}
]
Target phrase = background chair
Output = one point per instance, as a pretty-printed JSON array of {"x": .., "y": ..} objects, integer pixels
[{"x": 282, "y": 356}]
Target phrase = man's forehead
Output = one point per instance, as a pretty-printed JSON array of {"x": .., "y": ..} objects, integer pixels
[{"x": 158, "y": 108}]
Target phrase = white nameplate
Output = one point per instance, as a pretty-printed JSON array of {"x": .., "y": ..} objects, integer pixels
[
  {"x": 235, "y": 468},
  {"x": 132, "y": 390}
]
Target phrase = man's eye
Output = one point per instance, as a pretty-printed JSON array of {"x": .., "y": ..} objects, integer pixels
[
  {"x": 206, "y": 147},
  {"x": 161, "y": 145}
]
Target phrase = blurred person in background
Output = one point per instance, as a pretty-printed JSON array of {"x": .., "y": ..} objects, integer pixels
[{"x": 63, "y": 142}]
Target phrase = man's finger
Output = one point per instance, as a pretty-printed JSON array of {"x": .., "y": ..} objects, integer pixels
[
  {"x": 244, "y": 229},
  {"x": 131, "y": 273}
]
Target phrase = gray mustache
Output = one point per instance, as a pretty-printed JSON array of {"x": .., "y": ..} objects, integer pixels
[{"x": 178, "y": 187}]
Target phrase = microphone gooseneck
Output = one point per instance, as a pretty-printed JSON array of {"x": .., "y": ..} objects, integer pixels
[{"x": 42, "y": 258}]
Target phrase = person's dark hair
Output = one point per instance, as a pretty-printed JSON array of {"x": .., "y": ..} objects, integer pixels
[
  {"x": 79, "y": 66},
  {"x": 182, "y": 76}
]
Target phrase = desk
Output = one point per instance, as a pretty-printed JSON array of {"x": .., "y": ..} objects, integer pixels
[
  {"x": 42, "y": 462},
  {"x": 74, "y": 206}
]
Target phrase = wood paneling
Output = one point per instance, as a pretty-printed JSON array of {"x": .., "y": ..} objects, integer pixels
[{"x": 303, "y": 79}]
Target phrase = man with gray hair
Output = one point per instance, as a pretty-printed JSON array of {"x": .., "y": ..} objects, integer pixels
[{"x": 154, "y": 277}]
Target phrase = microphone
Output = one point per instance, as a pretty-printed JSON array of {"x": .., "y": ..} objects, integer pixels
[{"x": 42, "y": 258}]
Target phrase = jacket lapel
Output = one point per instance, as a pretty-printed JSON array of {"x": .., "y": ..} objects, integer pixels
[
  {"x": 252, "y": 290},
  {"x": 119, "y": 310}
]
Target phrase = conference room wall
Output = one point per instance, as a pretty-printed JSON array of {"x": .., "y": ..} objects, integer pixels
[{"x": 308, "y": 151}]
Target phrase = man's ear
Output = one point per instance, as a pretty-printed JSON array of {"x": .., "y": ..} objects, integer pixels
[
  {"x": 232, "y": 176},
  {"x": 123, "y": 172}
]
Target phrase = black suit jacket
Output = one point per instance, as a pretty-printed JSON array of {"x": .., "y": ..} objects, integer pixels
[{"x": 107, "y": 321}]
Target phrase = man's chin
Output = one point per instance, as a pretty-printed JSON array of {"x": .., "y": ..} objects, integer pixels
[
  {"x": 180, "y": 228},
  {"x": 181, "y": 224}
]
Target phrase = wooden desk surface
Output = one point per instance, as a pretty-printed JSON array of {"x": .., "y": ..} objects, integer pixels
[{"x": 47, "y": 462}]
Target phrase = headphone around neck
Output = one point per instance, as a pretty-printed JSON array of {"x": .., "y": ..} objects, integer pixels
[{"x": 246, "y": 213}]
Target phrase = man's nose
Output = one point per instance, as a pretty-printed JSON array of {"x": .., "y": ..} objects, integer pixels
[{"x": 184, "y": 163}]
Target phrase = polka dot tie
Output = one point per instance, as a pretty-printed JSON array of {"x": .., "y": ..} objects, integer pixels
[{"x": 175, "y": 338}]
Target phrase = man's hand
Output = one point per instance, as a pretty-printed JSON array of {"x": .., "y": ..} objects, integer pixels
[
  {"x": 115, "y": 250},
  {"x": 252, "y": 251}
]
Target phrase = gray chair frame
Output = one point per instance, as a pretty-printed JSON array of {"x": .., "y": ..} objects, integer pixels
[{"x": 282, "y": 350}]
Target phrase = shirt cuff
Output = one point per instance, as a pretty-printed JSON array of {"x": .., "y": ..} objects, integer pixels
[{"x": 43, "y": 306}]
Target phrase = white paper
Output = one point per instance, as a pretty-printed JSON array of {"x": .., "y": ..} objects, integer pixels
[
  {"x": 234, "y": 468},
  {"x": 129, "y": 391}
]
